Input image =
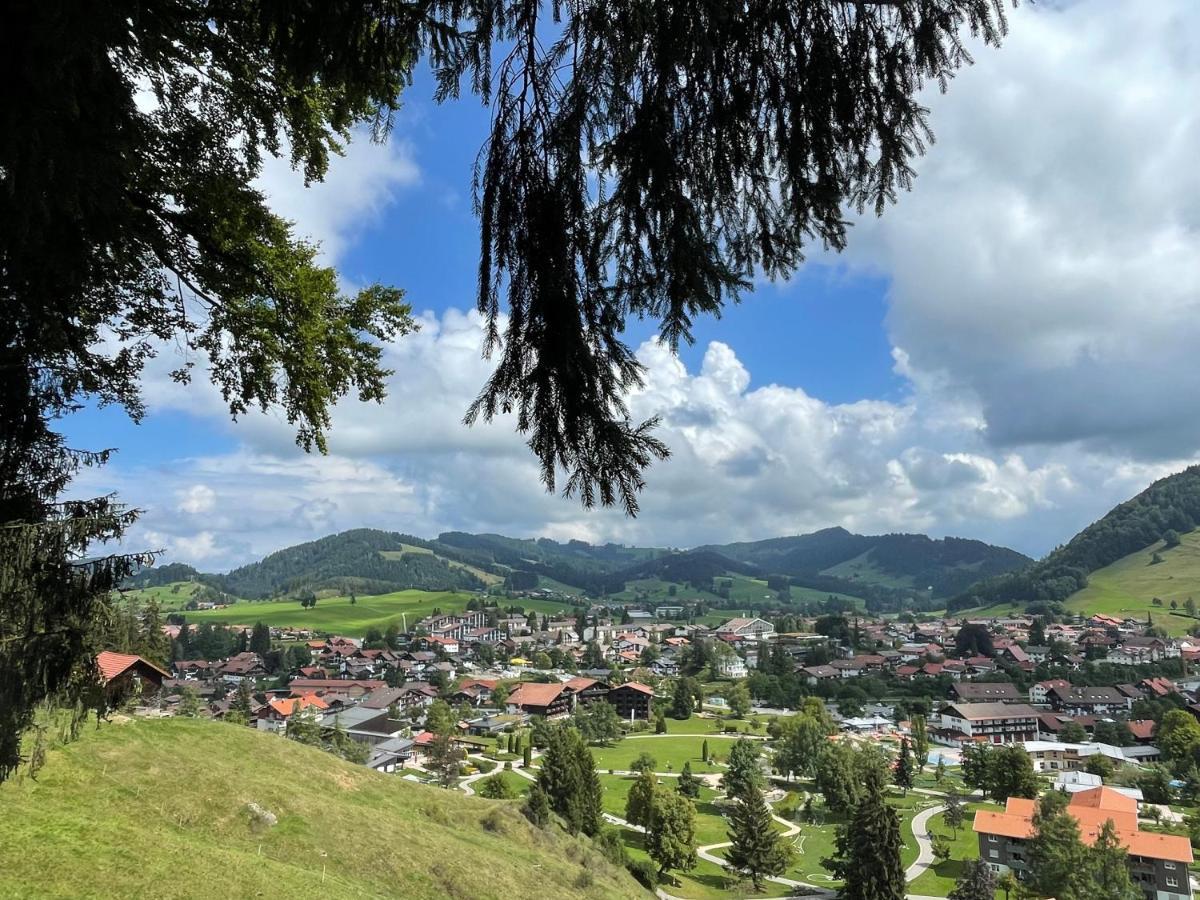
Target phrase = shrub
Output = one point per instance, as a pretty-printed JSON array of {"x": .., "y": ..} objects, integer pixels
[{"x": 644, "y": 871}]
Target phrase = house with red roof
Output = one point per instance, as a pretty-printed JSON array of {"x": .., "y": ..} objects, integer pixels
[
  {"x": 549, "y": 700},
  {"x": 126, "y": 674},
  {"x": 632, "y": 700},
  {"x": 275, "y": 714}
]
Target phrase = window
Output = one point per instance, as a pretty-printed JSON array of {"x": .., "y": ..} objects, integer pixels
[
  {"x": 1169, "y": 865},
  {"x": 1172, "y": 882},
  {"x": 994, "y": 854},
  {"x": 992, "y": 838}
]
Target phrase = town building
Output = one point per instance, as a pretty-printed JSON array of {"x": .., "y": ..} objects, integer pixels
[
  {"x": 996, "y": 723},
  {"x": 984, "y": 692},
  {"x": 549, "y": 700},
  {"x": 747, "y": 629},
  {"x": 1158, "y": 863},
  {"x": 632, "y": 700}
]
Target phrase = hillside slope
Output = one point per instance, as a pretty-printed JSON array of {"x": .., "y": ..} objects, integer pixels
[
  {"x": 836, "y": 557},
  {"x": 158, "y": 808},
  {"x": 1169, "y": 504}
]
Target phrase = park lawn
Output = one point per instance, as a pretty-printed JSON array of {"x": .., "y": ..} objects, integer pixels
[
  {"x": 951, "y": 782},
  {"x": 706, "y": 726},
  {"x": 670, "y": 753},
  {"x": 707, "y": 881},
  {"x": 938, "y": 880},
  {"x": 517, "y": 783}
]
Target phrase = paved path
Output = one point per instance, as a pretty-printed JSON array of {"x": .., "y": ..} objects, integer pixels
[{"x": 920, "y": 828}]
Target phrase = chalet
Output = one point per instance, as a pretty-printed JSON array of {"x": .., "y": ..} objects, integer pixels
[
  {"x": 242, "y": 666},
  {"x": 1078, "y": 699},
  {"x": 194, "y": 669},
  {"x": 274, "y": 715},
  {"x": 1057, "y": 755},
  {"x": 1157, "y": 687},
  {"x": 588, "y": 690},
  {"x": 996, "y": 723},
  {"x": 632, "y": 700},
  {"x": 352, "y": 688},
  {"x": 549, "y": 700},
  {"x": 1038, "y": 693},
  {"x": 391, "y": 755},
  {"x": 974, "y": 692},
  {"x": 817, "y": 674},
  {"x": 367, "y": 726},
  {"x": 125, "y": 675},
  {"x": 1142, "y": 730}
]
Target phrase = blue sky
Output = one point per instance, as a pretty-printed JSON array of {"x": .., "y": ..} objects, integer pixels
[{"x": 1004, "y": 355}]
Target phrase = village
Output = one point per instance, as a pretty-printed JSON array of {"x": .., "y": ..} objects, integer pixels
[{"x": 1101, "y": 709}]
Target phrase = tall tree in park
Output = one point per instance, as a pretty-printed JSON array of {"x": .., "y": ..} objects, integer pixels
[
  {"x": 134, "y": 224},
  {"x": 568, "y": 777},
  {"x": 919, "y": 732},
  {"x": 598, "y": 722},
  {"x": 1110, "y": 866},
  {"x": 837, "y": 779},
  {"x": 681, "y": 700},
  {"x": 801, "y": 739},
  {"x": 260, "y": 639},
  {"x": 704, "y": 750},
  {"x": 977, "y": 882},
  {"x": 1058, "y": 861},
  {"x": 743, "y": 775},
  {"x": 868, "y": 847},
  {"x": 688, "y": 784},
  {"x": 758, "y": 851},
  {"x": 671, "y": 832},
  {"x": 640, "y": 799},
  {"x": 902, "y": 774},
  {"x": 440, "y": 718},
  {"x": 738, "y": 698},
  {"x": 955, "y": 814}
]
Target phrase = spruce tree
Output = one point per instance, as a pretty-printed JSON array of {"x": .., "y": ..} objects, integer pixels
[
  {"x": 902, "y": 774},
  {"x": 758, "y": 851},
  {"x": 704, "y": 750},
  {"x": 689, "y": 785},
  {"x": 868, "y": 848},
  {"x": 744, "y": 775},
  {"x": 260, "y": 639},
  {"x": 537, "y": 806}
]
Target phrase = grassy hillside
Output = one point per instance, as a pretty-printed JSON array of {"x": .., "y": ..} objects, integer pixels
[
  {"x": 1128, "y": 587},
  {"x": 339, "y": 615},
  {"x": 168, "y": 596},
  {"x": 157, "y": 808}
]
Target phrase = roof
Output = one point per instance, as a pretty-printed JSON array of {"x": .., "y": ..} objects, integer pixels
[
  {"x": 289, "y": 705},
  {"x": 532, "y": 693},
  {"x": 113, "y": 664},
  {"x": 986, "y": 690},
  {"x": 1142, "y": 729},
  {"x": 971, "y": 711},
  {"x": 1091, "y": 809},
  {"x": 635, "y": 686}
]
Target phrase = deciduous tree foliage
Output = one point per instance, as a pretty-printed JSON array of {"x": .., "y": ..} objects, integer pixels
[{"x": 643, "y": 160}]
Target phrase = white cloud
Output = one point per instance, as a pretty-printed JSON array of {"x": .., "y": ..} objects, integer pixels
[
  {"x": 1046, "y": 266},
  {"x": 1044, "y": 288}
]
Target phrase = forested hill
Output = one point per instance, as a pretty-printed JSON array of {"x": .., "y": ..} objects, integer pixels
[
  {"x": 362, "y": 561},
  {"x": 1166, "y": 509},
  {"x": 886, "y": 570},
  {"x": 941, "y": 568}
]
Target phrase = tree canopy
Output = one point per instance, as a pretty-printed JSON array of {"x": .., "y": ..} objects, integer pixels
[{"x": 643, "y": 161}]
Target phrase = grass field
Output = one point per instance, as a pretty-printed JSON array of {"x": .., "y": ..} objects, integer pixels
[
  {"x": 168, "y": 596},
  {"x": 488, "y": 578},
  {"x": 153, "y": 808},
  {"x": 339, "y": 615},
  {"x": 670, "y": 753},
  {"x": 1129, "y": 586},
  {"x": 743, "y": 590}
]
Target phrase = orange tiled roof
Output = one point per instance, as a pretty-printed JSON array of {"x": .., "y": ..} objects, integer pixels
[
  {"x": 289, "y": 705},
  {"x": 1091, "y": 809},
  {"x": 532, "y": 693}
]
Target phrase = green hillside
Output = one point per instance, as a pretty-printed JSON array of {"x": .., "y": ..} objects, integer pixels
[
  {"x": 1168, "y": 507},
  {"x": 338, "y": 614},
  {"x": 160, "y": 808}
]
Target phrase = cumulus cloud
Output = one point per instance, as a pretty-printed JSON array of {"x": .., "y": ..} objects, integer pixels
[
  {"x": 1044, "y": 284},
  {"x": 1046, "y": 266}
]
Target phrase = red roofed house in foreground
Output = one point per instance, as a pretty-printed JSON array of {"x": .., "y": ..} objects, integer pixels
[
  {"x": 1158, "y": 863},
  {"x": 123, "y": 674},
  {"x": 275, "y": 714}
]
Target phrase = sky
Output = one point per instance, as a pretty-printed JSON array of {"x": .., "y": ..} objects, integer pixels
[{"x": 1005, "y": 354}]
